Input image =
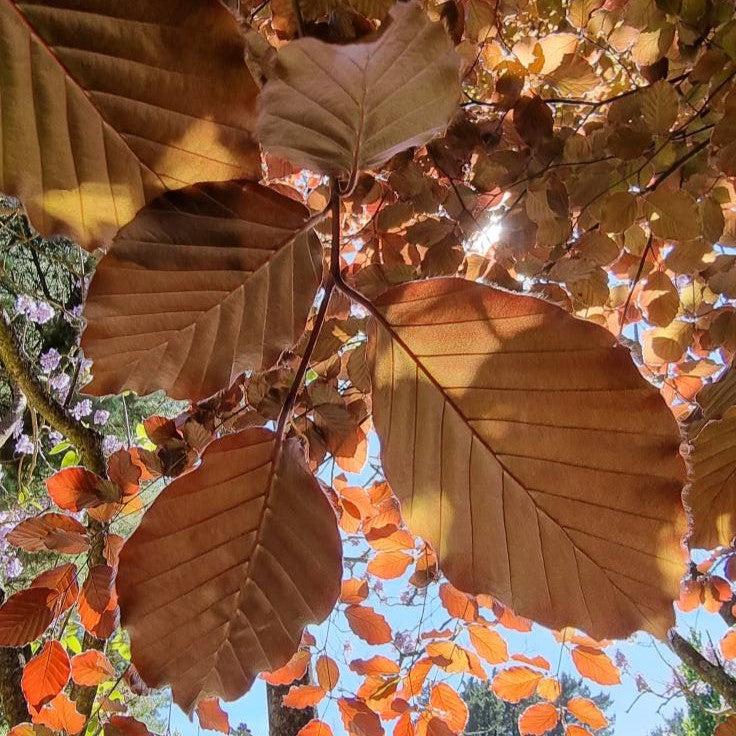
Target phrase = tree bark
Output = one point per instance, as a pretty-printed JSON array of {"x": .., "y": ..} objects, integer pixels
[
  {"x": 712, "y": 674},
  {"x": 283, "y": 721},
  {"x": 12, "y": 702}
]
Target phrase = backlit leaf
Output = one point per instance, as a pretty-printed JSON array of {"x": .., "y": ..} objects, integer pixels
[
  {"x": 62, "y": 582},
  {"x": 211, "y": 715},
  {"x": 361, "y": 103},
  {"x": 249, "y": 530},
  {"x": 370, "y": 626},
  {"x": 358, "y": 718},
  {"x": 205, "y": 283},
  {"x": 489, "y": 644},
  {"x": 537, "y": 719},
  {"x": 453, "y": 710},
  {"x": 45, "y": 674},
  {"x": 595, "y": 665},
  {"x": 91, "y": 668},
  {"x": 51, "y": 532},
  {"x": 328, "y": 673},
  {"x": 587, "y": 712},
  {"x": 303, "y": 696},
  {"x": 515, "y": 683},
  {"x": 315, "y": 727},
  {"x": 517, "y": 418},
  {"x": 25, "y": 615},
  {"x": 61, "y": 715},
  {"x": 92, "y": 132}
]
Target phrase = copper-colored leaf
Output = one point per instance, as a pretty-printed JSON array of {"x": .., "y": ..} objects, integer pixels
[
  {"x": 537, "y": 719},
  {"x": 98, "y": 587},
  {"x": 205, "y": 283},
  {"x": 711, "y": 494},
  {"x": 353, "y": 591},
  {"x": 62, "y": 583},
  {"x": 92, "y": 131},
  {"x": 549, "y": 688},
  {"x": 303, "y": 696},
  {"x": 587, "y": 712},
  {"x": 376, "y": 665},
  {"x": 454, "y": 712},
  {"x": 516, "y": 419},
  {"x": 358, "y": 718},
  {"x": 328, "y": 673},
  {"x": 75, "y": 489},
  {"x": 229, "y": 564},
  {"x": 728, "y": 644},
  {"x": 453, "y": 658},
  {"x": 370, "y": 626},
  {"x": 294, "y": 669},
  {"x": 595, "y": 665},
  {"x": 45, "y": 674},
  {"x": 125, "y": 726},
  {"x": 91, "y": 668},
  {"x": 61, "y": 715},
  {"x": 389, "y": 565},
  {"x": 489, "y": 644},
  {"x": 315, "y": 727},
  {"x": 515, "y": 683},
  {"x": 340, "y": 109},
  {"x": 25, "y": 616},
  {"x": 51, "y": 532},
  {"x": 457, "y": 603},
  {"x": 212, "y": 716}
]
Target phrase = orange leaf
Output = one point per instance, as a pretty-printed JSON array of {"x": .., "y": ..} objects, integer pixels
[
  {"x": 358, "y": 718},
  {"x": 328, "y": 673},
  {"x": 595, "y": 665},
  {"x": 75, "y": 489},
  {"x": 587, "y": 712},
  {"x": 52, "y": 532},
  {"x": 451, "y": 706},
  {"x": 728, "y": 644},
  {"x": 91, "y": 668},
  {"x": 22, "y": 729},
  {"x": 123, "y": 472},
  {"x": 212, "y": 716},
  {"x": 303, "y": 696},
  {"x": 389, "y": 565},
  {"x": 353, "y": 591},
  {"x": 413, "y": 683},
  {"x": 404, "y": 726},
  {"x": 62, "y": 581},
  {"x": 454, "y": 658},
  {"x": 574, "y": 730},
  {"x": 457, "y": 603},
  {"x": 25, "y": 616},
  {"x": 549, "y": 689},
  {"x": 506, "y": 617},
  {"x": 538, "y": 719},
  {"x": 377, "y": 665},
  {"x": 294, "y": 669},
  {"x": 727, "y": 728},
  {"x": 515, "y": 683},
  {"x": 45, "y": 675},
  {"x": 315, "y": 727},
  {"x": 489, "y": 644},
  {"x": 535, "y": 661},
  {"x": 389, "y": 539},
  {"x": 61, "y": 715},
  {"x": 370, "y": 626}
]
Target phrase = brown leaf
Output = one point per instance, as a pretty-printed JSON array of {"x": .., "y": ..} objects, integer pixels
[
  {"x": 45, "y": 675},
  {"x": 517, "y": 418},
  {"x": 370, "y": 626},
  {"x": 711, "y": 494},
  {"x": 96, "y": 132},
  {"x": 125, "y": 726},
  {"x": 229, "y": 564},
  {"x": 25, "y": 616},
  {"x": 62, "y": 583},
  {"x": 51, "y": 532},
  {"x": 75, "y": 489},
  {"x": 205, "y": 283},
  {"x": 360, "y": 104}
]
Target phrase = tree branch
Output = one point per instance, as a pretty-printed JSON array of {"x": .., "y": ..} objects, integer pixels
[
  {"x": 712, "y": 674},
  {"x": 88, "y": 443}
]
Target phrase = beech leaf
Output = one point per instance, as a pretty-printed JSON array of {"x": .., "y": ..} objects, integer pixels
[
  {"x": 340, "y": 109},
  {"x": 229, "y": 564},
  {"x": 25, "y": 615},
  {"x": 45, "y": 674},
  {"x": 503, "y": 423},
  {"x": 93, "y": 130},
  {"x": 205, "y": 283}
]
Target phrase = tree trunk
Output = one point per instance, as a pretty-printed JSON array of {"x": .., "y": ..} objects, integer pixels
[{"x": 283, "y": 721}]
